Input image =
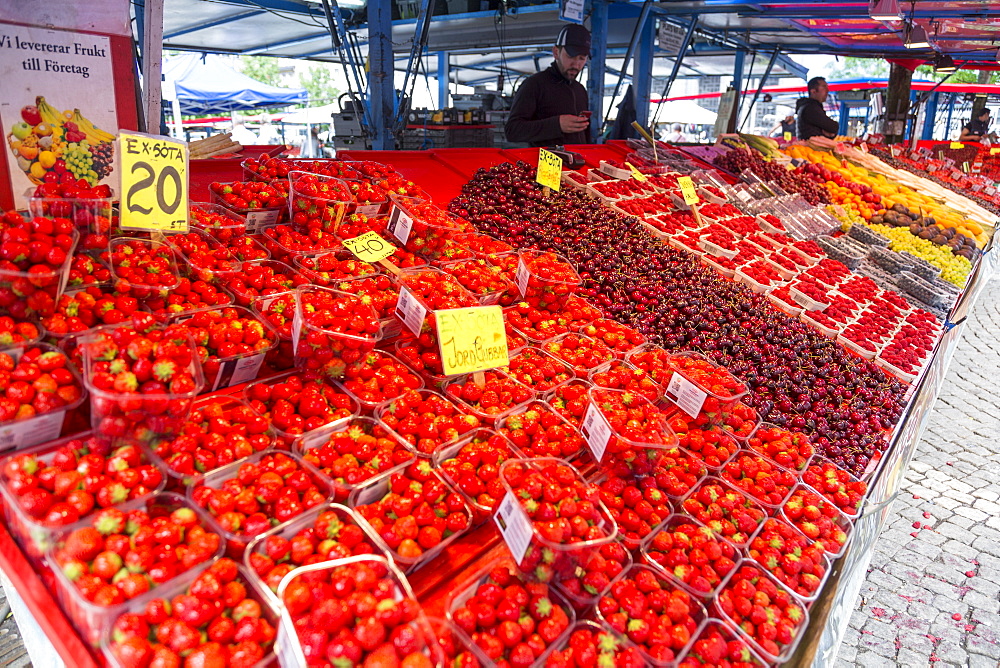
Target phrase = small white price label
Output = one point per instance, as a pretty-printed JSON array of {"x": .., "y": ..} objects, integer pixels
[
  {"x": 688, "y": 396},
  {"x": 234, "y": 372},
  {"x": 400, "y": 224},
  {"x": 864, "y": 146},
  {"x": 26, "y": 433},
  {"x": 410, "y": 311},
  {"x": 368, "y": 209},
  {"x": 258, "y": 220},
  {"x": 521, "y": 277},
  {"x": 596, "y": 430},
  {"x": 514, "y": 525}
]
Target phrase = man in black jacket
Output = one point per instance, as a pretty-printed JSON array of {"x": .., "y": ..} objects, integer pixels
[
  {"x": 550, "y": 107},
  {"x": 813, "y": 120}
]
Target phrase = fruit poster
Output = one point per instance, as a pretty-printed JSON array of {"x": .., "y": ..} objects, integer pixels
[{"x": 57, "y": 107}]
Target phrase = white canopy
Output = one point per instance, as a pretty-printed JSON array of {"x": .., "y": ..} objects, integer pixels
[
  {"x": 685, "y": 111},
  {"x": 311, "y": 115}
]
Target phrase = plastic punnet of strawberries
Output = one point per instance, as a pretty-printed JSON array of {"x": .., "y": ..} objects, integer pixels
[
  {"x": 656, "y": 615},
  {"x": 216, "y": 621},
  {"x": 498, "y": 394},
  {"x": 716, "y": 645},
  {"x": 837, "y": 485},
  {"x": 390, "y": 630},
  {"x": 472, "y": 466},
  {"x": 316, "y": 202},
  {"x": 763, "y": 610},
  {"x": 379, "y": 377},
  {"x": 414, "y": 511},
  {"x": 538, "y": 431},
  {"x": 142, "y": 268},
  {"x": 570, "y": 400},
  {"x": 728, "y": 512},
  {"x": 798, "y": 562},
  {"x": 538, "y": 370},
  {"x": 637, "y": 506},
  {"x": 569, "y": 522},
  {"x": 793, "y": 450},
  {"x": 819, "y": 519},
  {"x": 34, "y": 255},
  {"x": 36, "y": 379},
  {"x": 692, "y": 555},
  {"x": 296, "y": 404},
  {"x": 589, "y": 642},
  {"x": 639, "y": 432},
  {"x": 337, "y": 329},
  {"x": 760, "y": 478},
  {"x": 513, "y": 620},
  {"x": 425, "y": 419},
  {"x": 581, "y": 352}
]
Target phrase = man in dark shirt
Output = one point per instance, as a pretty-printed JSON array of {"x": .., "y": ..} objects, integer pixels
[
  {"x": 550, "y": 107},
  {"x": 813, "y": 120},
  {"x": 976, "y": 128}
]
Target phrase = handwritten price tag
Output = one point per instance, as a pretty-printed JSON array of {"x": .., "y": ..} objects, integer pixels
[
  {"x": 596, "y": 430},
  {"x": 956, "y": 145},
  {"x": 549, "y": 169},
  {"x": 471, "y": 339},
  {"x": 636, "y": 174},
  {"x": 369, "y": 247},
  {"x": 687, "y": 189},
  {"x": 154, "y": 182},
  {"x": 787, "y": 136}
]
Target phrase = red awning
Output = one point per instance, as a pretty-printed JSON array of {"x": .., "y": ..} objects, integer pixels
[{"x": 858, "y": 84}]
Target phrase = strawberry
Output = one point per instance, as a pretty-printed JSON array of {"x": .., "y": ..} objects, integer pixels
[
  {"x": 729, "y": 512},
  {"x": 296, "y": 404},
  {"x": 472, "y": 466},
  {"x": 763, "y": 610},
  {"x": 425, "y": 419},
  {"x": 692, "y": 555}
]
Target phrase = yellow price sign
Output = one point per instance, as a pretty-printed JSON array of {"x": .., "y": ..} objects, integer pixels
[
  {"x": 154, "y": 182},
  {"x": 369, "y": 247},
  {"x": 471, "y": 339},
  {"x": 788, "y": 136},
  {"x": 957, "y": 144},
  {"x": 636, "y": 174},
  {"x": 994, "y": 151},
  {"x": 687, "y": 189},
  {"x": 549, "y": 169}
]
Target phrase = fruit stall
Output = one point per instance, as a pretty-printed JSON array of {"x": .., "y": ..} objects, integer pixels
[{"x": 262, "y": 440}]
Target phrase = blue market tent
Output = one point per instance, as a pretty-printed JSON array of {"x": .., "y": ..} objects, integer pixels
[{"x": 205, "y": 84}]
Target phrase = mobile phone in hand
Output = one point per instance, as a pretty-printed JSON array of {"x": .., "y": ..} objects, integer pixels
[{"x": 586, "y": 114}]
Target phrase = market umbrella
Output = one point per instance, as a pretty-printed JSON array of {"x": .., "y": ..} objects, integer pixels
[{"x": 206, "y": 84}]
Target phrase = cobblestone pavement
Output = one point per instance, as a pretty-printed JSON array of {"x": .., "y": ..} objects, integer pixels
[{"x": 932, "y": 596}]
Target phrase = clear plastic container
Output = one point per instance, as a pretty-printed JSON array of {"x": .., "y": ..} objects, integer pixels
[
  {"x": 197, "y": 271},
  {"x": 601, "y": 377},
  {"x": 179, "y": 587},
  {"x": 785, "y": 531},
  {"x": 365, "y": 286},
  {"x": 696, "y": 611},
  {"x": 44, "y": 426},
  {"x": 142, "y": 418},
  {"x": 138, "y": 290},
  {"x": 804, "y": 494},
  {"x": 390, "y": 407},
  {"x": 408, "y": 277},
  {"x": 32, "y": 534},
  {"x": 344, "y": 261},
  {"x": 375, "y": 490},
  {"x": 529, "y": 430},
  {"x": 217, "y": 221},
  {"x": 320, "y": 348},
  {"x": 370, "y": 206},
  {"x": 546, "y": 277},
  {"x": 287, "y": 645},
  {"x": 817, "y": 466},
  {"x": 472, "y": 449},
  {"x": 534, "y": 357},
  {"x": 453, "y": 386},
  {"x": 803, "y": 460},
  {"x": 755, "y": 571},
  {"x": 316, "y": 202},
  {"x": 427, "y": 228},
  {"x": 560, "y": 558},
  {"x": 464, "y": 592},
  {"x": 311, "y": 449},
  {"x": 304, "y": 523},
  {"x": 162, "y": 449},
  {"x": 223, "y": 372},
  {"x": 771, "y": 498},
  {"x": 713, "y": 628},
  {"x": 366, "y": 367},
  {"x": 611, "y": 446},
  {"x": 455, "y": 269},
  {"x": 258, "y": 218},
  {"x": 89, "y": 216},
  {"x": 562, "y": 348},
  {"x": 39, "y": 290},
  {"x": 737, "y": 528},
  {"x": 654, "y": 555},
  {"x": 235, "y": 543},
  {"x": 287, "y": 438},
  {"x": 686, "y": 388},
  {"x": 90, "y": 619}
]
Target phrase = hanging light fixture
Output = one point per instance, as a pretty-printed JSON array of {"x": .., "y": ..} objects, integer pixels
[
  {"x": 916, "y": 37},
  {"x": 944, "y": 64},
  {"x": 885, "y": 10}
]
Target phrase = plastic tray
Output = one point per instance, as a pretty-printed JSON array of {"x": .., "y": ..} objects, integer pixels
[
  {"x": 755, "y": 287},
  {"x": 841, "y": 520},
  {"x": 89, "y": 216},
  {"x": 375, "y": 490},
  {"x": 51, "y": 282},
  {"x": 727, "y": 549},
  {"x": 235, "y": 543},
  {"x": 342, "y": 489},
  {"x": 805, "y": 301},
  {"x": 91, "y": 619},
  {"x": 286, "y": 438},
  {"x": 444, "y": 453},
  {"x": 257, "y": 219},
  {"x": 142, "y": 291},
  {"x": 235, "y": 224},
  {"x": 343, "y": 348},
  {"x": 856, "y": 349},
  {"x": 828, "y": 332},
  {"x": 718, "y": 405},
  {"x": 535, "y": 285},
  {"x": 784, "y": 306},
  {"x": 460, "y": 382},
  {"x": 748, "y": 502},
  {"x": 728, "y": 635}
]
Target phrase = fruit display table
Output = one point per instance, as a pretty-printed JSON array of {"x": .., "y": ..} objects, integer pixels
[{"x": 340, "y": 281}]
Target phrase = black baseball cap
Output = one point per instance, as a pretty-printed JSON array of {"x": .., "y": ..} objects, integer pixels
[{"x": 575, "y": 39}]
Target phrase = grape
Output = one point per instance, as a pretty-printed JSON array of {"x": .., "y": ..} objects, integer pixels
[{"x": 79, "y": 161}]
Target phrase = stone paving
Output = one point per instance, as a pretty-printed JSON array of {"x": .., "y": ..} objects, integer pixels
[{"x": 932, "y": 597}]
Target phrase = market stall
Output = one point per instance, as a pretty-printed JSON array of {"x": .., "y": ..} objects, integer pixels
[{"x": 286, "y": 401}]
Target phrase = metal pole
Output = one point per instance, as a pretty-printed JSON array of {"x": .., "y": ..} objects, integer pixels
[
  {"x": 152, "y": 65},
  {"x": 930, "y": 116},
  {"x": 738, "y": 62},
  {"x": 644, "y": 71},
  {"x": 381, "y": 91},
  {"x": 688, "y": 36},
  {"x": 763, "y": 80},
  {"x": 643, "y": 13},
  {"x": 844, "y": 118},
  {"x": 597, "y": 66},
  {"x": 951, "y": 107},
  {"x": 443, "y": 82}
]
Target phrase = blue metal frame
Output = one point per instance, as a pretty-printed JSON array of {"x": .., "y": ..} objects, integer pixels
[
  {"x": 381, "y": 75},
  {"x": 738, "y": 63},
  {"x": 442, "y": 76},
  {"x": 643, "y": 79},
  {"x": 930, "y": 115},
  {"x": 217, "y": 22},
  {"x": 598, "y": 65}
]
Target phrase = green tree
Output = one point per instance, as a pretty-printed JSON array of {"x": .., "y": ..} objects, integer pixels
[
  {"x": 962, "y": 76},
  {"x": 319, "y": 82},
  {"x": 262, "y": 69},
  {"x": 852, "y": 67}
]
